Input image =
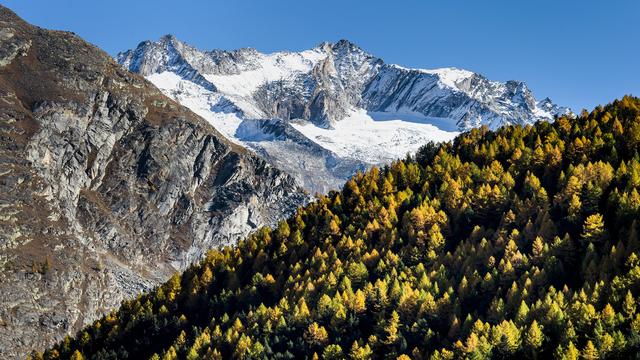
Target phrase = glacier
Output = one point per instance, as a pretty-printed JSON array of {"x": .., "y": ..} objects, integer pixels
[{"x": 323, "y": 114}]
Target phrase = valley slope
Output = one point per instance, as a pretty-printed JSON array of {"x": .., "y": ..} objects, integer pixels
[
  {"x": 519, "y": 243},
  {"x": 107, "y": 187}
]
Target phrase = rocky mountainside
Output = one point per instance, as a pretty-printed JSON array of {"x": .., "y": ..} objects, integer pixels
[
  {"x": 521, "y": 243},
  {"x": 358, "y": 108},
  {"x": 107, "y": 187}
]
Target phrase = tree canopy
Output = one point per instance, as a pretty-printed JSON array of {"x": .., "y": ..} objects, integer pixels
[{"x": 518, "y": 243}]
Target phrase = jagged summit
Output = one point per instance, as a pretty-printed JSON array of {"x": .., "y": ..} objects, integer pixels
[
  {"x": 345, "y": 100},
  {"x": 168, "y": 37},
  {"x": 346, "y": 45},
  {"x": 346, "y": 77}
]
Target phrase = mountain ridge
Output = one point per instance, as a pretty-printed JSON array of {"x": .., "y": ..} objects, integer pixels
[
  {"x": 334, "y": 94},
  {"x": 208, "y": 63}
]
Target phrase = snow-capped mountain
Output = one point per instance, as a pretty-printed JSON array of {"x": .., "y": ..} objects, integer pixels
[
  {"x": 466, "y": 97},
  {"x": 322, "y": 114}
]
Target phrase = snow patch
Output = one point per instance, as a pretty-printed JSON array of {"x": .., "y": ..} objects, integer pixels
[
  {"x": 272, "y": 67},
  {"x": 364, "y": 138},
  {"x": 212, "y": 106}
]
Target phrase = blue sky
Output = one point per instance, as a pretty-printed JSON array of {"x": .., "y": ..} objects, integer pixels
[{"x": 579, "y": 53}]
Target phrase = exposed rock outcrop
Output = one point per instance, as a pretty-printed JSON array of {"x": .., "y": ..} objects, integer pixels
[
  {"x": 107, "y": 187},
  {"x": 323, "y": 84},
  {"x": 343, "y": 93}
]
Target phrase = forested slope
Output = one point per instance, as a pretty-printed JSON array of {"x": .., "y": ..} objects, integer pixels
[{"x": 517, "y": 243}]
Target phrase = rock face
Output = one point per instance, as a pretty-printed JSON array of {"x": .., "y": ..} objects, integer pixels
[
  {"x": 466, "y": 97},
  {"x": 107, "y": 187},
  {"x": 281, "y": 144},
  {"x": 322, "y": 84},
  {"x": 335, "y": 95}
]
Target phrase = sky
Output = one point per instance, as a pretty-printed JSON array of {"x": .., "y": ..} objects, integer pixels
[{"x": 579, "y": 53}]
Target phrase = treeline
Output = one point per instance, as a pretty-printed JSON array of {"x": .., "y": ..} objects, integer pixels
[{"x": 519, "y": 243}]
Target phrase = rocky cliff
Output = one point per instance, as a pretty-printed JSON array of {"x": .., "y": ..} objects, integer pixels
[{"x": 107, "y": 187}]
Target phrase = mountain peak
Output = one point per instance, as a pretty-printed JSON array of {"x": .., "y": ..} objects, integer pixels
[
  {"x": 546, "y": 100},
  {"x": 344, "y": 43},
  {"x": 350, "y": 78},
  {"x": 340, "y": 45},
  {"x": 167, "y": 37}
]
